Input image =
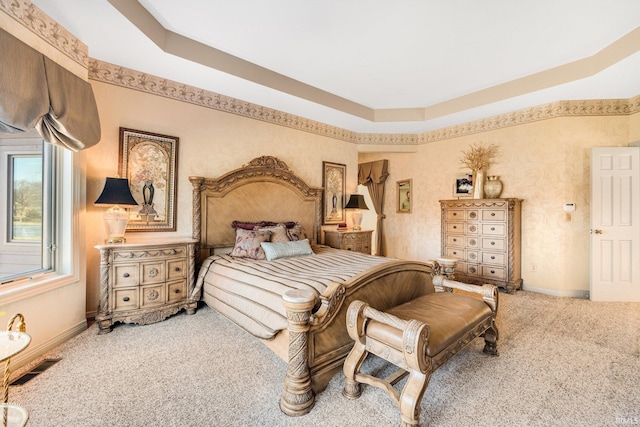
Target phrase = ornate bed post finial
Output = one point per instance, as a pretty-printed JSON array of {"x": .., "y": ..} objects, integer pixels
[{"x": 297, "y": 397}]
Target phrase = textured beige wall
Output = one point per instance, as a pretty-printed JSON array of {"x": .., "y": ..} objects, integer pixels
[
  {"x": 211, "y": 143},
  {"x": 545, "y": 163}
]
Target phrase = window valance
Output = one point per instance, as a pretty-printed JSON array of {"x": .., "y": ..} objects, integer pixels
[{"x": 36, "y": 92}]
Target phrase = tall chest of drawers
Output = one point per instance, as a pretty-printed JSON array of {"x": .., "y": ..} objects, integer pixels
[
  {"x": 484, "y": 235},
  {"x": 145, "y": 282}
]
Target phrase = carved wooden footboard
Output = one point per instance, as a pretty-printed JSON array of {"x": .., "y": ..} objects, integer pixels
[{"x": 319, "y": 341}]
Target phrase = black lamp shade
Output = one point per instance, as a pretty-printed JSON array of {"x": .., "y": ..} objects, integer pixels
[
  {"x": 356, "y": 201},
  {"x": 116, "y": 192}
]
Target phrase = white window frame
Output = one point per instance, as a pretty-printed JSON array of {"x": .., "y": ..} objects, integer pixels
[{"x": 68, "y": 187}]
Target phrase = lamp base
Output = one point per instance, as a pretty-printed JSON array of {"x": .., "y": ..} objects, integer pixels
[
  {"x": 356, "y": 217},
  {"x": 114, "y": 240}
]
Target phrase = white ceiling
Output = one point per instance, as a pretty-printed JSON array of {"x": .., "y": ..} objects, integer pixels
[{"x": 393, "y": 66}]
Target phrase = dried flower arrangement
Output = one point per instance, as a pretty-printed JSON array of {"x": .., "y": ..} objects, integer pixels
[{"x": 479, "y": 157}]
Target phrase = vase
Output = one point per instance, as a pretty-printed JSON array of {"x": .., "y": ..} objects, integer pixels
[
  {"x": 478, "y": 184},
  {"x": 492, "y": 187}
]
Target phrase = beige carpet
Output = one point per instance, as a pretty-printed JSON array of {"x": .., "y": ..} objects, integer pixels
[{"x": 563, "y": 362}]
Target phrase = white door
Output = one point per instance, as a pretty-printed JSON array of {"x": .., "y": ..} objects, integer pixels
[{"x": 615, "y": 224}]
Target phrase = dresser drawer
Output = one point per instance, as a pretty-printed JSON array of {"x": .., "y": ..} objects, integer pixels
[
  {"x": 494, "y": 215},
  {"x": 125, "y": 299},
  {"x": 493, "y": 244},
  {"x": 494, "y": 229},
  {"x": 456, "y": 241},
  {"x": 152, "y": 295},
  {"x": 472, "y": 242},
  {"x": 494, "y": 258},
  {"x": 152, "y": 272},
  {"x": 125, "y": 275},
  {"x": 455, "y": 215},
  {"x": 176, "y": 291},
  {"x": 473, "y": 270},
  {"x": 176, "y": 269},
  {"x": 456, "y": 253},
  {"x": 456, "y": 228},
  {"x": 472, "y": 256},
  {"x": 472, "y": 228},
  {"x": 497, "y": 273}
]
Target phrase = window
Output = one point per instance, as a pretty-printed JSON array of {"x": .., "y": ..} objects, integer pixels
[{"x": 27, "y": 208}]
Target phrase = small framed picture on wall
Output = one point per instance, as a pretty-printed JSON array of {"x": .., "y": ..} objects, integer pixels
[
  {"x": 463, "y": 185},
  {"x": 403, "y": 193}
]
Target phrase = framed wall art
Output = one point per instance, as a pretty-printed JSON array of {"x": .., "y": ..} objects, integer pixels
[
  {"x": 150, "y": 161},
  {"x": 463, "y": 186},
  {"x": 333, "y": 183},
  {"x": 403, "y": 196}
]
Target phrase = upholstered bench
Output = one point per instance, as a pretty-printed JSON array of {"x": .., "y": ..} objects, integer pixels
[{"x": 418, "y": 336}]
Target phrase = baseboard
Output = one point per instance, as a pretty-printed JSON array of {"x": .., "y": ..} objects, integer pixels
[
  {"x": 558, "y": 293},
  {"x": 34, "y": 351}
]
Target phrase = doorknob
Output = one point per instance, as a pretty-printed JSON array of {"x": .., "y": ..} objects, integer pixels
[{"x": 596, "y": 231}]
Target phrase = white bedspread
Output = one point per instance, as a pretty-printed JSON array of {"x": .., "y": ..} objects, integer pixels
[{"x": 249, "y": 292}]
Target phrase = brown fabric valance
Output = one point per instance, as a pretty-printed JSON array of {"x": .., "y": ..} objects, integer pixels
[
  {"x": 376, "y": 172},
  {"x": 37, "y": 92}
]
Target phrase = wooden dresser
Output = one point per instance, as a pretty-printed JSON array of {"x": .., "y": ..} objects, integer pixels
[
  {"x": 357, "y": 241},
  {"x": 145, "y": 282},
  {"x": 484, "y": 234}
]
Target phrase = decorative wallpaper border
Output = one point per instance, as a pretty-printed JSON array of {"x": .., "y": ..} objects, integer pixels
[
  {"x": 39, "y": 23},
  {"x": 121, "y": 76}
]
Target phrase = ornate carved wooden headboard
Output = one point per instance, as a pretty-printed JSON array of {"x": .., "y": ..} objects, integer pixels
[{"x": 264, "y": 189}]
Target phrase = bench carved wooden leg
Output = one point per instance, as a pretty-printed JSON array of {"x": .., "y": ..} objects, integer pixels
[
  {"x": 491, "y": 340},
  {"x": 358, "y": 354},
  {"x": 298, "y": 398}
]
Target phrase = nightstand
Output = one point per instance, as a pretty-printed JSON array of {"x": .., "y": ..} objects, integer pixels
[
  {"x": 145, "y": 281},
  {"x": 357, "y": 241}
]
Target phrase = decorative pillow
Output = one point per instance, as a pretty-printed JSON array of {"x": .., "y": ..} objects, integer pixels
[
  {"x": 278, "y": 233},
  {"x": 248, "y": 225},
  {"x": 248, "y": 243},
  {"x": 296, "y": 232},
  {"x": 286, "y": 250}
]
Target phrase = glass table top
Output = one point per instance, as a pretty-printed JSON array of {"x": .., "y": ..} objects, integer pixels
[{"x": 12, "y": 343}]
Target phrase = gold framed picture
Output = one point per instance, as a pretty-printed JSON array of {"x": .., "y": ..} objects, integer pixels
[
  {"x": 403, "y": 196},
  {"x": 149, "y": 162},
  {"x": 333, "y": 183}
]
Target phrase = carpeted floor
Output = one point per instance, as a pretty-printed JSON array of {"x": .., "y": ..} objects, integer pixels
[{"x": 563, "y": 362}]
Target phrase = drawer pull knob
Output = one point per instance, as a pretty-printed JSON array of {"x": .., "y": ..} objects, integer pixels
[
  {"x": 455, "y": 253},
  {"x": 455, "y": 226},
  {"x": 455, "y": 214},
  {"x": 125, "y": 275},
  {"x": 177, "y": 269},
  {"x": 493, "y": 257},
  {"x": 177, "y": 291},
  {"x": 125, "y": 299},
  {"x": 493, "y": 272},
  {"x": 493, "y": 228},
  {"x": 493, "y": 214},
  {"x": 493, "y": 243},
  {"x": 455, "y": 240}
]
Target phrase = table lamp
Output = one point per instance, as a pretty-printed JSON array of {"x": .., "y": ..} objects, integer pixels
[
  {"x": 116, "y": 193},
  {"x": 356, "y": 202}
]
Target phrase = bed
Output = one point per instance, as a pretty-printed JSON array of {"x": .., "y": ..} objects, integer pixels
[{"x": 296, "y": 305}]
